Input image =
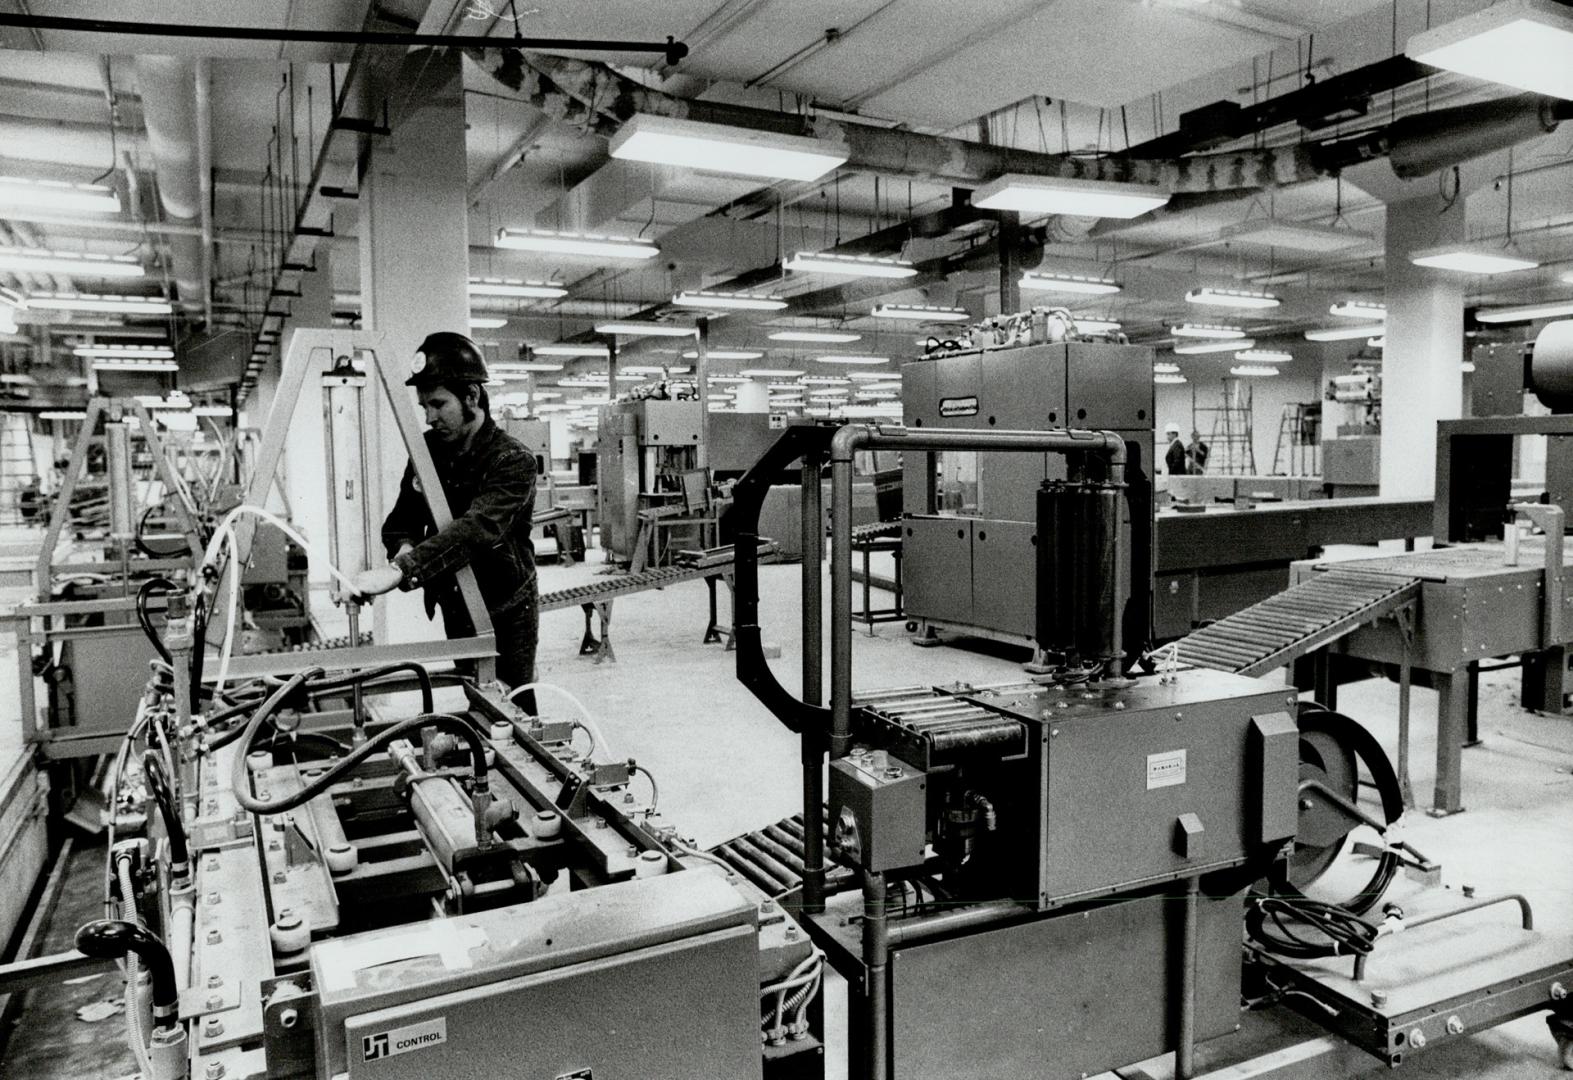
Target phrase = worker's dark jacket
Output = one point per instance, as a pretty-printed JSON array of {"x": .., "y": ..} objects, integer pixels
[
  {"x": 490, "y": 487},
  {"x": 1177, "y": 460}
]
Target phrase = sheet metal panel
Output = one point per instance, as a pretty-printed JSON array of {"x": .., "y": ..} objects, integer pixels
[
  {"x": 1064, "y": 997},
  {"x": 937, "y": 568},
  {"x": 1004, "y": 575}
]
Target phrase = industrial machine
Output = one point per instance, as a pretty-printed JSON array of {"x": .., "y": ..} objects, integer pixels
[
  {"x": 1051, "y": 878},
  {"x": 645, "y": 448},
  {"x": 1351, "y": 454}
]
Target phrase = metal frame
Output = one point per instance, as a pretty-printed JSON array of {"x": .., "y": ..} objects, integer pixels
[
  {"x": 109, "y": 409},
  {"x": 390, "y": 374}
]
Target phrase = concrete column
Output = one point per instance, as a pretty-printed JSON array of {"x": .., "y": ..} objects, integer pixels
[
  {"x": 414, "y": 266},
  {"x": 1422, "y": 380},
  {"x": 301, "y": 475}
]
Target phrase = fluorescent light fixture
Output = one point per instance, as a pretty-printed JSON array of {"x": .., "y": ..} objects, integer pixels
[
  {"x": 1359, "y": 309},
  {"x": 816, "y": 337},
  {"x": 825, "y": 380},
  {"x": 62, "y": 414},
  {"x": 1069, "y": 283},
  {"x": 1080, "y": 198},
  {"x": 692, "y": 144},
  {"x": 568, "y": 243},
  {"x": 147, "y": 366},
  {"x": 1523, "y": 43},
  {"x": 645, "y": 329},
  {"x": 1169, "y": 380},
  {"x": 17, "y": 192},
  {"x": 1232, "y": 298},
  {"x": 825, "y": 262},
  {"x": 876, "y": 376},
  {"x": 69, "y": 262},
  {"x": 1201, "y": 347},
  {"x": 1264, "y": 356},
  {"x": 683, "y": 370},
  {"x": 127, "y": 305},
  {"x": 876, "y": 395},
  {"x": 1097, "y": 326},
  {"x": 1343, "y": 333},
  {"x": 728, "y": 301},
  {"x": 1163, "y": 368},
  {"x": 486, "y": 322},
  {"x": 1525, "y": 312},
  {"x": 730, "y": 379},
  {"x": 861, "y": 361},
  {"x": 920, "y": 313},
  {"x": 537, "y": 290},
  {"x": 1377, "y": 342},
  {"x": 533, "y": 365},
  {"x": 1294, "y": 235},
  {"x": 145, "y": 352},
  {"x": 1253, "y": 371},
  {"x": 769, "y": 372},
  {"x": 1206, "y": 330},
  {"x": 568, "y": 350},
  {"x": 640, "y": 369},
  {"x": 882, "y": 386},
  {"x": 1469, "y": 259},
  {"x": 724, "y": 354}
]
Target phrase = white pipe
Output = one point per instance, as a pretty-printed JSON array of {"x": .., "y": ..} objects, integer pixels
[{"x": 205, "y": 181}]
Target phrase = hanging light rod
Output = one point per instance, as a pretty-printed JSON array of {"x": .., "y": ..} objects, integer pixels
[
  {"x": 1231, "y": 298},
  {"x": 1069, "y": 283},
  {"x": 673, "y": 51},
  {"x": 827, "y": 262}
]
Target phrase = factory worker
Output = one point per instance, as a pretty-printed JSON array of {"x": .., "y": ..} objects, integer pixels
[
  {"x": 489, "y": 480},
  {"x": 1177, "y": 462}
]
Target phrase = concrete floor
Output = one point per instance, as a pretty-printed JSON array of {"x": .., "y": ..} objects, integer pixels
[{"x": 725, "y": 766}]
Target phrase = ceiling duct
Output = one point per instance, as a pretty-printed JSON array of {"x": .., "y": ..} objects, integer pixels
[
  {"x": 169, "y": 111},
  {"x": 1424, "y": 143}
]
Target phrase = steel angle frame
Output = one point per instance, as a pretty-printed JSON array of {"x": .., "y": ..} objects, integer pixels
[
  {"x": 110, "y": 410},
  {"x": 377, "y": 359}
]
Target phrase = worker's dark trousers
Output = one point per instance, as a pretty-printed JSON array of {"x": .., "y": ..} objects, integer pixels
[{"x": 516, "y": 630}]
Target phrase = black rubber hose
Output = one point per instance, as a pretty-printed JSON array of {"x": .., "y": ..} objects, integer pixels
[
  {"x": 158, "y": 786},
  {"x": 421, "y": 675},
  {"x": 144, "y": 594},
  {"x": 112, "y": 939},
  {"x": 460, "y": 727},
  {"x": 264, "y": 711}
]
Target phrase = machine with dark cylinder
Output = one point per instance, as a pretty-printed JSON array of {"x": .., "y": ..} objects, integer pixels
[{"x": 1051, "y": 877}]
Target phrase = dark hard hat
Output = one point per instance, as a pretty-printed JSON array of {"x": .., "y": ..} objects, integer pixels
[{"x": 447, "y": 357}]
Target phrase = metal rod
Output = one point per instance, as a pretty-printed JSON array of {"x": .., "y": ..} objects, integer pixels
[
  {"x": 1185, "y": 1052},
  {"x": 927, "y": 928},
  {"x": 812, "y": 743},
  {"x": 338, "y": 37},
  {"x": 876, "y": 957}
]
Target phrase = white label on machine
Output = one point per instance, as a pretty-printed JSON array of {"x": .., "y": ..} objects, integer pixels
[
  {"x": 1166, "y": 769},
  {"x": 959, "y": 406},
  {"x": 403, "y": 1040}
]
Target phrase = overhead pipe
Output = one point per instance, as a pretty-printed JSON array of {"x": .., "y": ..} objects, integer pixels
[
  {"x": 204, "y": 121},
  {"x": 1425, "y": 143},
  {"x": 592, "y": 94},
  {"x": 169, "y": 114}
]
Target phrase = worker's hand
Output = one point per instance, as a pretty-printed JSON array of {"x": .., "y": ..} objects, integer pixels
[{"x": 369, "y": 583}]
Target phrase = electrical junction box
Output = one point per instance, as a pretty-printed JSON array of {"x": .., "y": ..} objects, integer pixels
[{"x": 881, "y": 801}]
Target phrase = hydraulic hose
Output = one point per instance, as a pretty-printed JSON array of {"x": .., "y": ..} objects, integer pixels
[
  {"x": 446, "y": 721},
  {"x": 133, "y": 1006},
  {"x": 158, "y": 785},
  {"x": 115, "y": 939},
  {"x": 264, "y": 711},
  {"x": 362, "y": 677},
  {"x": 144, "y": 594}
]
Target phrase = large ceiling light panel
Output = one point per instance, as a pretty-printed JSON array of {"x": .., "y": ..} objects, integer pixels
[
  {"x": 692, "y": 144},
  {"x": 1080, "y": 198},
  {"x": 816, "y": 337},
  {"x": 1232, "y": 298},
  {"x": 1468, "y": 259},
  {"x": 1522, "y": 43},
  {"x": 17, "y": 193},
  {"x": 645, "y": 329},
  {"x": 728, "y": 301},
  {"x": 1344, "y": 333},
  {"x": 125, "y": 305},
  {"x": 589, "y": 245},
  {"x": 1525, "y": 312},
  {"x": 1294, "y": 235},
  {"x": 1069, "y": 283},
  {"x": 69, "y": 262},
  {"x": 825, "y": 262}
]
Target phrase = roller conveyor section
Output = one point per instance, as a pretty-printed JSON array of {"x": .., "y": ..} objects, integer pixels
[
  {"x": 771, "y": 859},
  {"x": 879, "y": 530},
  {"x": 935, "y": 726},
  {"x": 628, "y": 584},
  {"x": 1297, "y": 621}
]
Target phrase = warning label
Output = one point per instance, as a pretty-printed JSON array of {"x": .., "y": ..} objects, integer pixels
[
  {"x": 404, "y": 1040},
  {"x": 1166, "y": 769}
]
